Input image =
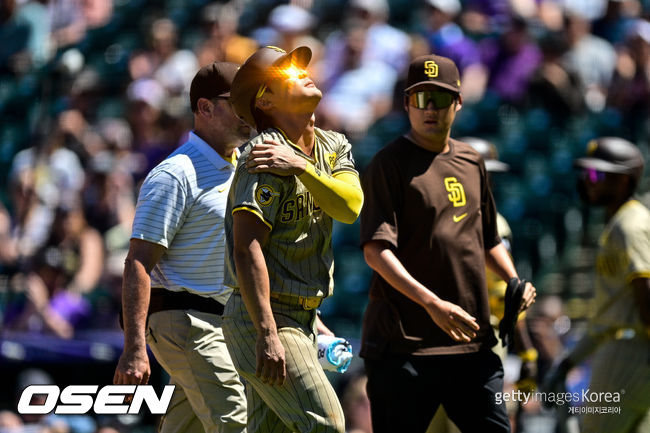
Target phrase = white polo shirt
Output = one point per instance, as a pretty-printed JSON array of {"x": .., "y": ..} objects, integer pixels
[{"x": 181, "y": 206}]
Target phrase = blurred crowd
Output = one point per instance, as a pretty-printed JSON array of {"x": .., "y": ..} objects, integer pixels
[{"x": 94, "y": 93}]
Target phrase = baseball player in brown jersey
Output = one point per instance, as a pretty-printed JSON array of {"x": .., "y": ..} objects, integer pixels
[
  {"x": 279, "y": 255},
  {"x": 619, "y": 333},
  {"x": 428, "y": 228}
]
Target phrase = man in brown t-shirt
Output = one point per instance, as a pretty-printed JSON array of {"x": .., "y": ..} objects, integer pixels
[{"x": 428, "y": 229}]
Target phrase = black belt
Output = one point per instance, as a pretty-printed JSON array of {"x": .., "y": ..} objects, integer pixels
[{"x": 163, "y": 300}]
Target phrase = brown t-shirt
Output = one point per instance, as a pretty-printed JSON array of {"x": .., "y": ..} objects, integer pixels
[{"x": 437, "y": 213}]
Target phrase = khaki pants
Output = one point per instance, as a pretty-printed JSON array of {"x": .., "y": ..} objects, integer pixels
[
  {"x": 209, "y": 396},
  {"x": 306, "y": 402}
]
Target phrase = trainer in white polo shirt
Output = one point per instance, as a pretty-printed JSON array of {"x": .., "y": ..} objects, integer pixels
[
  {"x": 173, "y": 293},
  {"x": 182, "y": 207}
]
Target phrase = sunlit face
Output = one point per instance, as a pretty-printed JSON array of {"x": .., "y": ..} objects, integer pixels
[
  {"x": 290, "y": 90},
  {"x": 599, "y": 188},
  {"x": 427, "y": 120}
]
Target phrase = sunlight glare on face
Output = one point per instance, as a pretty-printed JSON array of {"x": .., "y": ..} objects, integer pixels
[{"x": 294, "y": 72}]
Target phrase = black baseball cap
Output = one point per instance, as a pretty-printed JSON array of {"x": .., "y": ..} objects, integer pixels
[
  {"x": 488, "y": 152},
  {"x": 612, "y": 155},
  {"x": 431, "y": 69},
  {"x": 262, "y": 66},
  {"x": 212, "y": 81}
]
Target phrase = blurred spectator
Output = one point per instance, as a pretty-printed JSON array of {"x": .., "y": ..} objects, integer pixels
[
  {"x": 66, "y": 267},
  {"x": 26, "y": 228},
  {"x": 40, "y": 178},
  {"x": 591, "y": 57},
  {"x": 361, "y": 93},
  {"x": 107, "y": 430},
  {"x": 612, "y": 25},
  {"x": 223, "y": 43},
  {"x": 58, "y": 174},
  {"x": 97, "y": 13},
  {"x": 554, "y": 87},
  {"x": 173, "y": 68},
  {"x": 630, "y": 89},
  {"x": 146, "y": 102},
  {"x": 545, "y": 320},
  {"x": 36, "y": 13},
  {"x": 86, "y": 93},
  {"x": 15, "y": 33},
  {"x": 446, "y": 38},
  {"x": 512, "y": 60},
  {"x": 68, "y": 24},
  {"x": 292, "y": 26},
  {"x": 384, "y": 43}
]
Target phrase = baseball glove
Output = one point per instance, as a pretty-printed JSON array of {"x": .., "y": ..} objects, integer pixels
[{"x": 512, "y": 301}]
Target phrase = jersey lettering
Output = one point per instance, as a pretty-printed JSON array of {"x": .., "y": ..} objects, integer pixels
[
  {"x": 288, "y": 211},
  {"x": 300, "y": 206},
  {"x": 297, "y": 208}
]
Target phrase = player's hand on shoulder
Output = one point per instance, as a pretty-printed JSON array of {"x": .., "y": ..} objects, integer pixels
[
  {"x": 132, "y": 368},
  {"x": 454, "y": 320},
  {"x": 271, "y": 366},
  {"x": 528, "y": 298},
  {"x": 273, "y": 157}
]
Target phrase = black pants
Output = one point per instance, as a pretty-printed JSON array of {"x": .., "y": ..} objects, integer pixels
[{"x": 406, "y": 391}]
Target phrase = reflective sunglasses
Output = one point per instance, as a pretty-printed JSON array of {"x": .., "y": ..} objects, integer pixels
[
  {"x": 592, "y": 175},
  {"x": 439, "y": 98}
]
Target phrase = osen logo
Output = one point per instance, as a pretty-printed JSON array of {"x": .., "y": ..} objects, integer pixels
[
  {"x": 264, "y": 195},
  {"x": 81, "y": 399}
]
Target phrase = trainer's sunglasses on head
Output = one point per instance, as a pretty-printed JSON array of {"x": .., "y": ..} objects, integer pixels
[
  {"x": 592, "y": 175},
  {"x": 439, "y": 98}
]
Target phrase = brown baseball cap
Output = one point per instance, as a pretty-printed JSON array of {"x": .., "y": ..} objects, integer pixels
[
  {"x": 436, "y": 70},
  {"x": 211, "y": 81},
  {"x": 257, "y": 70}
]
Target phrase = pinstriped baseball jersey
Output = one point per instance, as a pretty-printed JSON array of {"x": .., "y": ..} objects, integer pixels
[
  {"x": 181, "y": 206},
  {"x": 624, "y": 255},
  {"x": 298, "y": 253}
]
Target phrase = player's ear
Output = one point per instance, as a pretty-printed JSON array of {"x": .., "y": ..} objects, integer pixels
[
  {"x": 405, "y": 101},
  {"x": 459, "y": 102},
  {"x": 263, "y": 103},
  {"x": 204, "y": 106}
]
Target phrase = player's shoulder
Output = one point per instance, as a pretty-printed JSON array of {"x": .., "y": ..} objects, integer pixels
[
  {"x": 178, "y": 164},
  {"x": 271, "y": 133},
  {"x": 395, "y": 151},
  {"x": 465, "y": 150},
  {"x": 634, "y": 216},
  {"x": 331, "y": 140},
  {"x": 241, "y": 172},
  {"x": 329, "y": 134}
]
